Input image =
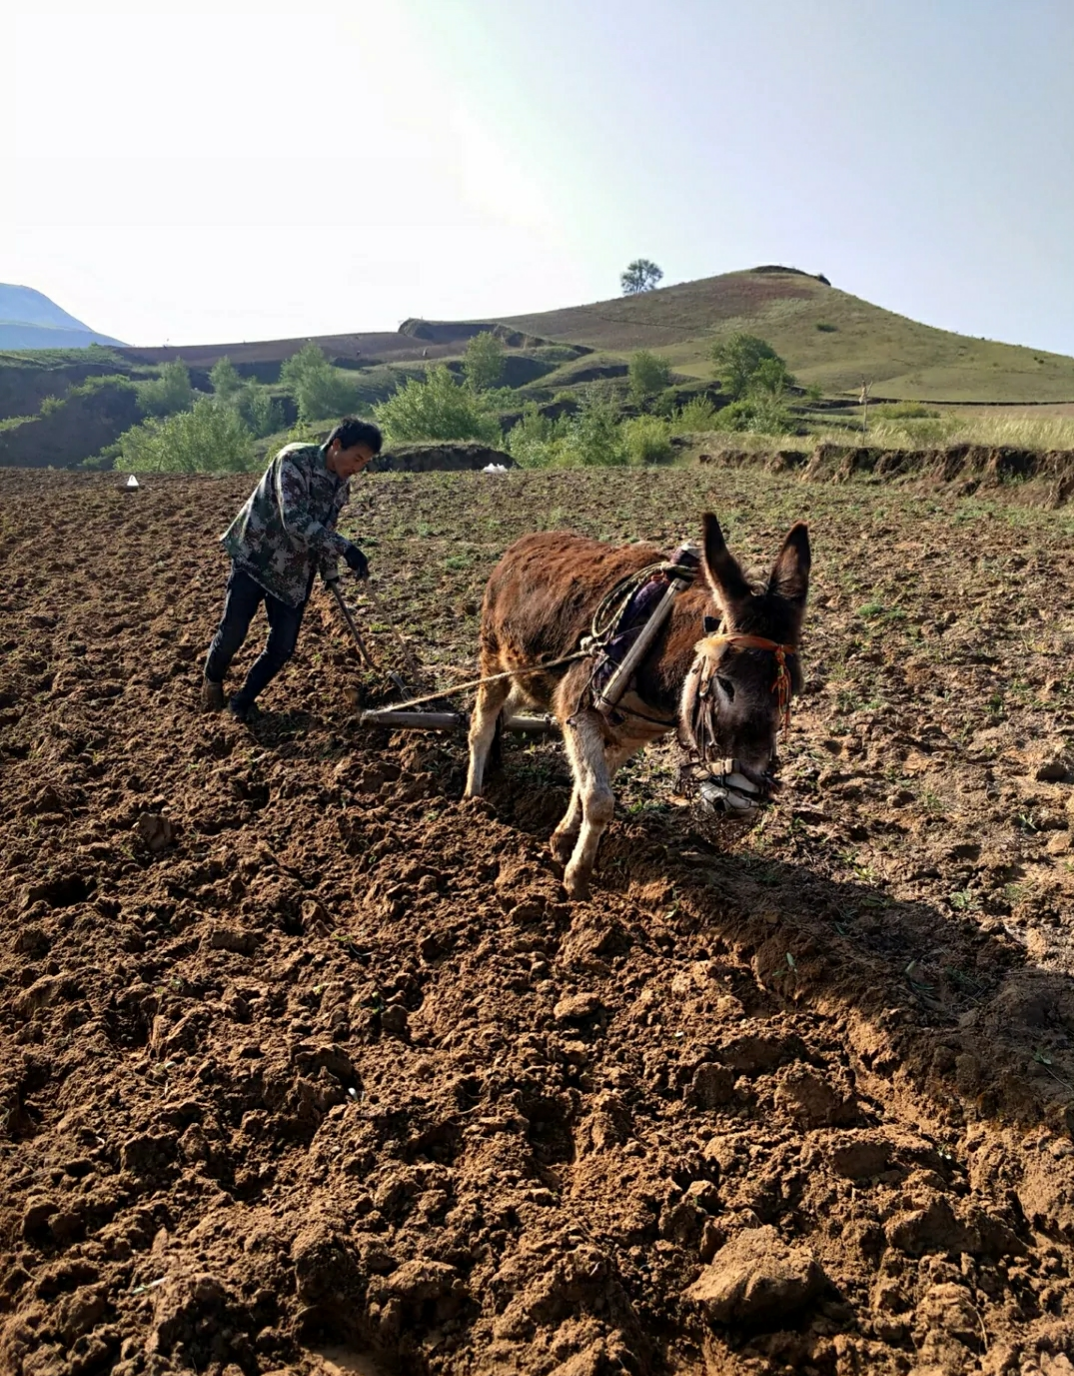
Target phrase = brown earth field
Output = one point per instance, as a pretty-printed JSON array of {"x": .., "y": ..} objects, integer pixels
[{"x": 300, "y": 1055}]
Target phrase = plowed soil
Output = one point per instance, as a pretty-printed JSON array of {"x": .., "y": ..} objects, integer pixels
[{"x": 300, "y": 1054}]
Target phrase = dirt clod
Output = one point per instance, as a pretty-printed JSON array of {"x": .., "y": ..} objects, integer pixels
[{"x": 757, "y": 1280}]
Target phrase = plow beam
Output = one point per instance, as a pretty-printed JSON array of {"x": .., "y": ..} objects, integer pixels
[{"x": 453, "y": 721}]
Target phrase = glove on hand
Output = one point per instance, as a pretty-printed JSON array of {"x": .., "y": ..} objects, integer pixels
[{"x": 356, "y": 561}]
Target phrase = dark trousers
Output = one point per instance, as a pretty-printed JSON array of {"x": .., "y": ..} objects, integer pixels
[{"x": 242, "y": 600}]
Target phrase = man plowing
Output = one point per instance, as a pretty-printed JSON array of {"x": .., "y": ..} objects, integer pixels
[{"x": 282, "y": 537}]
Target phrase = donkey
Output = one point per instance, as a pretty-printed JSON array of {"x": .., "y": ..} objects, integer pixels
[{"x": 716, "y": 690}]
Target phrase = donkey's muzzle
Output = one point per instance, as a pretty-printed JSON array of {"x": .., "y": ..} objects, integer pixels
[{"x": 733, "y": 787}]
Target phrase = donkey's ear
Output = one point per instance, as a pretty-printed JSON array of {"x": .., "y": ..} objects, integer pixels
[
  {"x": 790, "y": 573},
  {"x": 722, "y": 570}
]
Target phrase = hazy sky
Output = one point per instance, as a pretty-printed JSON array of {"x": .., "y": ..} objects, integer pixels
[{"x": 216, "y": 170}]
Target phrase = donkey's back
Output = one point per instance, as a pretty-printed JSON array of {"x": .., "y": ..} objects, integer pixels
[{"x": 541, "y": 597}]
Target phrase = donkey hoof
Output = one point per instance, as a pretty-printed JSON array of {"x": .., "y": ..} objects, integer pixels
[{"x": 576, "y": 884}]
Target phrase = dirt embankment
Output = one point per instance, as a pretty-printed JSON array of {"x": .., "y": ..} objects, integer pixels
[
  {"x": 77, "y": 430},
  {"x": 23, "y": 389},
  {"x": 1047, "y": 475},
  {"x": 452, "y": 456},
  {"x": 296, "y": 1048}
]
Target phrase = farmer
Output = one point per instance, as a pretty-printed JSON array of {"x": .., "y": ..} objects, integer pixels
[{"x": 277, "y": 542}]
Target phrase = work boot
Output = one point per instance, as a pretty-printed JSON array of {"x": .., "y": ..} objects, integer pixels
[
  {"x": 247, "y": 713},
  {"x": 212, "y": 696}
]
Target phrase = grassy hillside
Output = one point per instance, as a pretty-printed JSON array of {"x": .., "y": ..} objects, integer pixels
[{"x": 827, "y": 336}]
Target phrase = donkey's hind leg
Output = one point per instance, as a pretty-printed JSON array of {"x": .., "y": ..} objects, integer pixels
[
  {"x": 490, "y": 701},
  {"x": 566, "y": 834}
]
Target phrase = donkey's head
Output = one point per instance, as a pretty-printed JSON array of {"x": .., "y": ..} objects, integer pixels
[{"x": 746, "y": 669}]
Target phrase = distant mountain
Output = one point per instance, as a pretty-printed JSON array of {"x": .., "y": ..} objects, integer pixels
[{"x": 29, "y": 320}]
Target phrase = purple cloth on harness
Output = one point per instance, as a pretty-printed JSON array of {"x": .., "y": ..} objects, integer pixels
[{"x": 632, "y": 618}]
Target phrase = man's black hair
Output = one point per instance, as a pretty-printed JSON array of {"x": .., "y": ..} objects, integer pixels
[{"x": 351, "y": 431}]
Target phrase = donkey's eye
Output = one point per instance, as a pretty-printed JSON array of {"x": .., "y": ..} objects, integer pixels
[{"x": 726, "y": 687}]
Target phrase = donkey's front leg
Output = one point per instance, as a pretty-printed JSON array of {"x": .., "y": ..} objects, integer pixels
[
  {"x": 490, "y": 700},
  {"x": 592, "y": 789}
]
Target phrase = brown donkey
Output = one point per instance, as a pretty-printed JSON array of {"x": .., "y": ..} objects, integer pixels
[{"x": 725, "y": 693}]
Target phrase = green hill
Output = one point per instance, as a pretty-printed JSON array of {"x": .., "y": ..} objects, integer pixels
[{"x": 827, "y": 336}]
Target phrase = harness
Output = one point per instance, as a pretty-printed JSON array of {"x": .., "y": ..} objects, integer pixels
[{"x": 703, "y": 718}]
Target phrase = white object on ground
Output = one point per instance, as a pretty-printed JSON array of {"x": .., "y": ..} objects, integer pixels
[
  {"x": 132, "y": 481},
  {"x": 494, "y": 468}
]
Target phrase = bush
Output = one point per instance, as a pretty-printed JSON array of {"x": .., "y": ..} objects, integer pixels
[
  {"x": 594, "y": 437},
  {"x": 826, "y": 328},
  {"x": 555, "y": 353},
  {"x": 648, "y": 375},
  {"x": 483, "y": 362},
  {"x": 225, "y": 378},
  {"x": 770, "y": 378},
  {"x": 167, "y": 394},
  {"x": 209, "y": 438},
  {"x": 648, "y": 441},
  {"x": 696, "y": 416},
  {"x": 738, "y": 359},
  {"x": 321, "y": 392},
  {"x": 436, "y": 409},
  {"x": 109, "y": 382},
  {"x": 760, "y": 414},
  {"x": 531, "y": 440},
  {"x": 258, "y": 410},
  {"x": 49, "y": 404}
]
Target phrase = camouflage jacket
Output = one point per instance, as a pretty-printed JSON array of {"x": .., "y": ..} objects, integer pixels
[{"x": 286, "y": 530}]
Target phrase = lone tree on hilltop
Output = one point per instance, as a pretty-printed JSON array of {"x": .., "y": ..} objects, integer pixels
[{"x": 641, "y": 275}]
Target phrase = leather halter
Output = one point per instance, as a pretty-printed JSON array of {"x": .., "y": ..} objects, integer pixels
[{"x": 706, "y": 650}]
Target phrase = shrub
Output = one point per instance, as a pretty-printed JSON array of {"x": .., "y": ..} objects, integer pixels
[
  {"x": 761, "y": 414},
  {"x": 167, "y": 394},
  {"x": 697, "y": 415},
  {"x": 209, "y": 438},
  {"x": 770, "y": 378},
  {"x": 594, "y": 437},
  {"x": 225, "y": 378},
  {"x": 321, "y": 392},
  {"x": 436, "y": 409},
  {"x": 648, "y": 441},
  {"x": 648, "y": 375},
  {"x": 555, "y": 353},
  {"x": 738, "y": 359},
  {"x": 769, "y": 414},
  {"x": 483, "y": 361},
  {"x": 109, "y": 382},
  {"x": 826, "y": 328},
  {"x": 257, "y": 409},
  {"x": 49, "y": 404},
  {"x": 531, "y": 440}
]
